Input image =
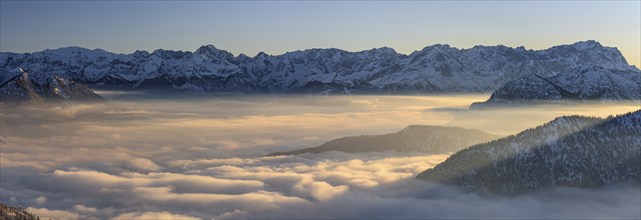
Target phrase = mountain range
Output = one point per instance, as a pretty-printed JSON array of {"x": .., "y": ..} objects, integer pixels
[
  {"x": 570, "y": 151},
  {"x": 434, "y": 69},
  {"x": 414, "y": 138}
]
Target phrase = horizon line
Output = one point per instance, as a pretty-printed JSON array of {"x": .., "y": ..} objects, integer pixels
[{"x": 316, "y": 48}]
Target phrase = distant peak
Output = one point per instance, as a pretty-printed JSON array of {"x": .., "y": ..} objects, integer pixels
[
  {"x": 141, "y": 53},
  {"x": 158, "y": 51},
  {"x": 437, "y": 46},
  {"x": 261, "y": 54},
  {"x": 70, "y": 49},
  {"x": 206, "y": 49},
  {"x": 384, "y": 50},
  {"x": 585, "y": 45},
  {"x": 243, "y": 56}
]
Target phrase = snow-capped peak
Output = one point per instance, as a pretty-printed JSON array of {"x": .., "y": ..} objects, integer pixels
[{"x": 437, "y": 68}]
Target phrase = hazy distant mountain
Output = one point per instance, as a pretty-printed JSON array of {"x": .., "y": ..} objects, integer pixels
[
  {"x": 15, "y": 213},
  {"x": 438, "y": 68},
  {"x": 580, "y": 84},
  {"x": 22, "y": 88},
  {"x": 417, "y": 138},
  {"x": 568, "y": 151}
]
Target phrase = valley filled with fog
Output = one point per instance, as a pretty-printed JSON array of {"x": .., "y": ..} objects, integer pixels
[{"x": 144, "y": 156}]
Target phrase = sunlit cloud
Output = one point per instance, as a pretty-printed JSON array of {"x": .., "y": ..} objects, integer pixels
[{"x": 158, "y": 159}]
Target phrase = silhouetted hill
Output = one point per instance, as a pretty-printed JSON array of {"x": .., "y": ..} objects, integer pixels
[{"x": 418, "y": 138}]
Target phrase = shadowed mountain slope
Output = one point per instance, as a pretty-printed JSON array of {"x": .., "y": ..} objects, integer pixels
[{"x": 570, "y": 151}]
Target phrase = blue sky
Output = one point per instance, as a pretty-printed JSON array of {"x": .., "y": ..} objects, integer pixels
[{"x": 279, "y": 26}]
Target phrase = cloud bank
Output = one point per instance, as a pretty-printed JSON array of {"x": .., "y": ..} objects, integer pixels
[{"x": 195, "y": 159}]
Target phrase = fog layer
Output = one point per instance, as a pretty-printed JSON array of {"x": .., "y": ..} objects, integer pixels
[{"x": 195, "y": 158}]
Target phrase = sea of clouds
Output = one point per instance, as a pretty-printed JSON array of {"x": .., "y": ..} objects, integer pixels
[{"x": 200, "y": 159}]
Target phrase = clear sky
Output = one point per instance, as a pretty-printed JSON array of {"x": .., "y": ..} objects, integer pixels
[{"x": 279, "y": 26}]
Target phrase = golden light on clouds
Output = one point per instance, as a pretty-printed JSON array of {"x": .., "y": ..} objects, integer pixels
[{"x": 97, "y": 161}]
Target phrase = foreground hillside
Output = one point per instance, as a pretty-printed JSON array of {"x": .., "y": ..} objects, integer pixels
[
  {"x": 437, "y": 68},
  {"x": 568, "y": 151},
  {"x": 415, "y": 138}
]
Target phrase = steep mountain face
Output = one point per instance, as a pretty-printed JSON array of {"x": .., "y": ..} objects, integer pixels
[
  {"x": 22, "y": 88},
  {"x": 580, "y": 84},
  {"x": 437, "y": 68},
  {"x": 415, "y": 138},
  {"x": 568, "y": 151}
]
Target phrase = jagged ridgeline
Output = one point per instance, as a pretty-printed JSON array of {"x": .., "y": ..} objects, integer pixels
[
  {"x": 18, "y": 86},
  {"x": 437, "y": 68},
  {"x": 570, "y": 151},
  {"x": 580, "y": 84},
  {"x": 415, "y": 138},
  {"x": 15, "y": 213}
]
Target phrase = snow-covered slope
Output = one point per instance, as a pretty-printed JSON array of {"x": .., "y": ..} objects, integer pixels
[
  {"x": 20, "y": 87},
  {"x": 438, "y": 68},
  {"x": 580, "y": 84},
  {"x": 414, "y": 138},
  {"x": 568, "y": 151}
]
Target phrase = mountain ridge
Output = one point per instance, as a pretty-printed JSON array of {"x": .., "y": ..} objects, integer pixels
[
  {"x": 580, "y": 84},
  {"x": 417, "y": 138},
  {"x": 433, "y": 69},
  {"x": 573, "y": 151},
  {"x": 21, "y": 88}
]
